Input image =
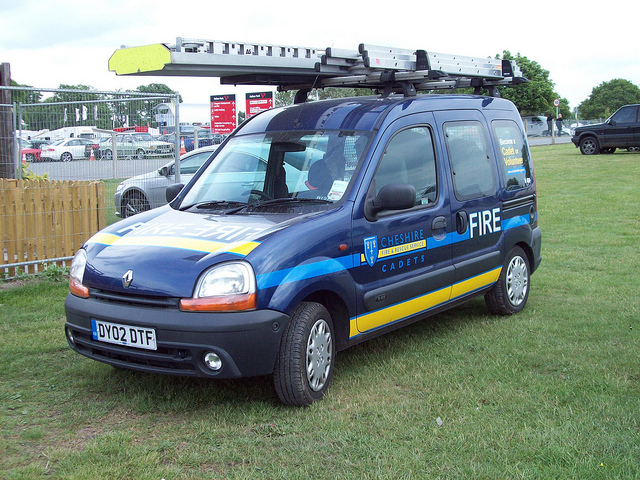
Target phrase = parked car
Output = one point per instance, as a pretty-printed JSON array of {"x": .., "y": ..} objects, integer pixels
[
  {"x": 31, "y": 154},
  {"x": 146, "y": 191},
  {"x": 535, "y": 126},
  {"x": 139, "y": 145},
  {"x": 205, "y": 137},
  {"x": 621, "y": 130},
  {"x": 66, "y": 150}
]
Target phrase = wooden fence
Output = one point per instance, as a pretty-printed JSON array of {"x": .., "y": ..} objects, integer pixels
[{"x": 43, "y": 221}]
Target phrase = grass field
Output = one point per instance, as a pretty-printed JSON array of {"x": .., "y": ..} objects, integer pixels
[{"x": 553, "y": 392}]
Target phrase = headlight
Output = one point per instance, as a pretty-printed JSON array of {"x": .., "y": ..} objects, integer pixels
[
  {"x": 76, "y": 274},
  {"x": 226, "y": 287},
  {"x": 120, "y": 187}
]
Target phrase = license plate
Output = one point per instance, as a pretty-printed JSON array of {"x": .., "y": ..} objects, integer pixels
[{"x": 127, "y": 335}]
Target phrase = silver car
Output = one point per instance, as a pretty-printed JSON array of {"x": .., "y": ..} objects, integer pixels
[
  {"x": 146, "y": 191},
  {"x": 138, "y": 145}
]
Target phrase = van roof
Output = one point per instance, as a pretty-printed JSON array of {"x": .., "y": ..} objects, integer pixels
[{"x": 361, "y": 113}]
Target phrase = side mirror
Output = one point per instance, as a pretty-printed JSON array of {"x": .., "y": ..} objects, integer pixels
[
  {"x": 164, "y": 172},
  {"x": 612, "y": 123},
  {"x": 395, "y": 196},
  {"x": 172, "y": 191}
]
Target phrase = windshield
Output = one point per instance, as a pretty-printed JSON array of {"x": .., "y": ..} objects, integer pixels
[
  {"x": 280, "y": 168},
  {"x": 143, "y": 137}
]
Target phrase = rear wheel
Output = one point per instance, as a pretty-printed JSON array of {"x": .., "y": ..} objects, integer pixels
[
  {"x": 30, "y": 157},
  {"x": 66, "y": 157},
  {"x": 108, "y": 155},
  {"x": 511, "y": 291},
  {"x": 608, "y": 150},
  {"x": 589, "y": 146},
  {"x": 305, "y": 362},
  {"x": 134, "y": 202},
  {"x": 140, "y": 154}
]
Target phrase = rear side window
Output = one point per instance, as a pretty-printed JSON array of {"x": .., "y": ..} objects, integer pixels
[
  {"x": 514, "y": 154},
  {"x": 409, "y": 158},
  {"x": 470, "y": 160}
]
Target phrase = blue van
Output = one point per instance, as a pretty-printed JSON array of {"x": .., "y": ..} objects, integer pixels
[{"x": 315, "y": 227}]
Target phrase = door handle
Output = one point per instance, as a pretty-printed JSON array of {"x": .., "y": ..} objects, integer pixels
[
  {"x": 439, "y": 223},
  {"x": 462, "y": 221}
]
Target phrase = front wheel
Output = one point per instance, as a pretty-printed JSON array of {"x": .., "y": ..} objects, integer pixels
[
  {"x": 608, "y": 150},
  {"x": 305, "y": 361},
  {"x": 589, "y": 146},
  {"x": 134, "y": 202},
  {"x": 140, "y": 154},
  {"x": 66, "y": 157},
  {"x": 511, "y": 291}
]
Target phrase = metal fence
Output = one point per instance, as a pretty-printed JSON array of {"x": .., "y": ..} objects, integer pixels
[{"x": 78, "y": 135}]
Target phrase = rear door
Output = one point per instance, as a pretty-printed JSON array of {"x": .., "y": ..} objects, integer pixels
[
  {"x": 475, "y": 203},
  {"x": 403, "y": 258}
]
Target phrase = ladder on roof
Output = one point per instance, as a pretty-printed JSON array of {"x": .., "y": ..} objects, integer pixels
[{"x": 301, "y": 68}]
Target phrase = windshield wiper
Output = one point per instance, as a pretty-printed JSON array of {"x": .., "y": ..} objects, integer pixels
[
  {"x": 215, "y": 204},
  {"x": 291, "y": 201}
]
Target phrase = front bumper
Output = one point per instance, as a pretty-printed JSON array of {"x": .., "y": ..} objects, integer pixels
[{"x": 246, "y": 342}]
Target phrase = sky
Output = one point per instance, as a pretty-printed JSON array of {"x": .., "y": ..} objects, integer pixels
[{"x": 70, "y": 41}]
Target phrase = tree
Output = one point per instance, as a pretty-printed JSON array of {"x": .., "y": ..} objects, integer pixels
[
  {"x": 535, "y": 97},
  {"x": 607, "y": 97},
  {"x": 142, "y": 112}
]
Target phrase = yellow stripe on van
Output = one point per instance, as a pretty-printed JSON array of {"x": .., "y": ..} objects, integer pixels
[
  {"x": 394, "y": 313},
  {"x": 103, "y": 238},
  {"x": 402, "y": 310},
  {"x": 238, "y": 248},
  {"x": 475, "y": 283},
  {"x": 243, "y": 248}
]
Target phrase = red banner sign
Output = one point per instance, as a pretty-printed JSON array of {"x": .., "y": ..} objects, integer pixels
[
  {"x": 257, "y": 102},
  {"x": 223, "y": 113}
]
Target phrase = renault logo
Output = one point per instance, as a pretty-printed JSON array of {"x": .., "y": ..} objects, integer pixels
[{"x": 127, "y": 278}]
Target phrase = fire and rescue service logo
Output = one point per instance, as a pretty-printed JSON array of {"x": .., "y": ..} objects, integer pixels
[{"x": 371, "y": 250}]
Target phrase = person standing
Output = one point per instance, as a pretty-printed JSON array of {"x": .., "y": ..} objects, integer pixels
[
  {"x": 559, "y": 124},
  {"x": 549, "y": 124}
]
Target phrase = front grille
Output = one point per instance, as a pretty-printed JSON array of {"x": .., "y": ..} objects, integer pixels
[{"x": 141, "y": 300}]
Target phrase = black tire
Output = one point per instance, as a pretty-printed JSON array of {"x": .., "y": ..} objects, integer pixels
[
  {"x": 66, "y": 157},
  {"x": 589, "y": 146},
  {"x": 510, "y": 293},
  {"x": 307, "y": 354},
  {"x": 108, "y": 155},
  {"x": 608, "y": 150},
  {"x": 140, "y": 154},
  {"x": 134, "y": 202},
  {"x": 30, "y": 157}
]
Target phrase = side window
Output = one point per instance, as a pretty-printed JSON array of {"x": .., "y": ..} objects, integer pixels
[
  {"x": 625, "y": 115},
  {"x": 191, "y": 164},
  {"x": 470, "y": 160},
  {"x": 409, "y": 158},
  {"x": 516, "y": 160}
]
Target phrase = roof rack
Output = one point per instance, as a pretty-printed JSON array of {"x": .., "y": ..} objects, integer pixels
[{"x": 301, "y": 68}]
